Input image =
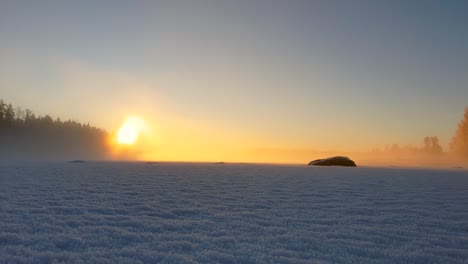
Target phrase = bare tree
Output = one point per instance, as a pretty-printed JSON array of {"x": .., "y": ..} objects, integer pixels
[{"x": 435, "y": 146}]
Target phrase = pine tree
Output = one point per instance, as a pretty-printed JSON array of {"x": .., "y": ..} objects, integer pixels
[
  {"x": 9, "y": 113},
  {"x": 2, "y": 110}
]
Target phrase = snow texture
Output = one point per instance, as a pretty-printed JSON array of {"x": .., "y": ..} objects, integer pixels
[{"x": 209, "y": 213}]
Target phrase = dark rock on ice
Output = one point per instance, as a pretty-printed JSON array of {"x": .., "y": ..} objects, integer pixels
[
  {"x": 333, "y": 161},
  {"x": 77, "y": 161}
]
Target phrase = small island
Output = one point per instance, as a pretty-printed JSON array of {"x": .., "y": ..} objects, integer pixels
[{"x": 333, "y": 161}]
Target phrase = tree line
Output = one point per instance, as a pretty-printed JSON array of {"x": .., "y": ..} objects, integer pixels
[
  {"x": 23, "y": 135},
  {"x": 431, "y": 147}
]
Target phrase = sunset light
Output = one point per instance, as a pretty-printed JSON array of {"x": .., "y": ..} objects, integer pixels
[
  {"x": 130, "y": 130},
  {"x": 257, "y": 131}
]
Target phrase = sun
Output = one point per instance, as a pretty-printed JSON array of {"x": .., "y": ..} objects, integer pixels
[{"x": 130, "y": 130}]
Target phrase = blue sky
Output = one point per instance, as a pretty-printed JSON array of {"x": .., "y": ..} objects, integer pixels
[{"x": 295, "y": 74}]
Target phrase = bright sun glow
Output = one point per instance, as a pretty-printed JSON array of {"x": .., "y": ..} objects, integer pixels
[{"x": 130, "y": 130}]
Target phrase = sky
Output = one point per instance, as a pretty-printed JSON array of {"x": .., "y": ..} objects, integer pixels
[{"x": 224, "y": 79}]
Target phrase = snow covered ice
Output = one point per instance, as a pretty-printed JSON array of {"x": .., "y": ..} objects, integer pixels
[{"x": 208, "y": 213}]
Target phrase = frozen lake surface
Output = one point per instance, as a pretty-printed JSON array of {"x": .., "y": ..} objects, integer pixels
[{"x": 213, "y": 213}]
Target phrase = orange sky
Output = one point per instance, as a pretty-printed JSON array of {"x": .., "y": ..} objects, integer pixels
[{"x": 220, "y": 81}]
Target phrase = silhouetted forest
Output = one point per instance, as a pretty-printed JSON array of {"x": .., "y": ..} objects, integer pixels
[{"x": 23, "y": 135}]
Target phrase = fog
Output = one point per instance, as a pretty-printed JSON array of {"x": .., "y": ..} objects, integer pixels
[{"x": 25, "y": 136}]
